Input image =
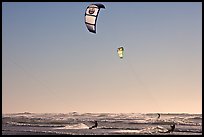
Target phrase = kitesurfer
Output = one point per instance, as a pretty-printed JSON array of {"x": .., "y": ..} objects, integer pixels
[
  {"x": 172, "y": 128},
  {"x": 158, "y": 115},
  {"x": 94, "y": 126}
]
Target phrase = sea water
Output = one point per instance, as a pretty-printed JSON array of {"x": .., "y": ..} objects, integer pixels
[{"x": 74, "y": 123}]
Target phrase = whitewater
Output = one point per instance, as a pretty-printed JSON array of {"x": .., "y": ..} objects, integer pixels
[{"x": 75, "y": 123}]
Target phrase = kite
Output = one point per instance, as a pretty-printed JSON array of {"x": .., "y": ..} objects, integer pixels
[
  {"x": 91, "y": 16},
  {"x": 120, "y": 52}
]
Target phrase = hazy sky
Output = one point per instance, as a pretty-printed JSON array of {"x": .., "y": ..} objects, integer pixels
[{"x": 52, "y": 63}]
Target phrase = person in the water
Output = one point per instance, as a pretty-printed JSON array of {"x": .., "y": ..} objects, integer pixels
[
  {"x": 94, "y": 126},
  {"x": 172, "y": 128},
  {"x": 158, "y": 115}
]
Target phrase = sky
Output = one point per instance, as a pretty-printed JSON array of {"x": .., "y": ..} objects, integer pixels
[{"x": 51, "y": 63}]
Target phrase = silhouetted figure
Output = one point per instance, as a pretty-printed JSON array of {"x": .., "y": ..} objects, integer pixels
[
  {"x": 172, "y": 128},
  {"x": 94, "y": 126},
  {"x": 158, "y": 115}
]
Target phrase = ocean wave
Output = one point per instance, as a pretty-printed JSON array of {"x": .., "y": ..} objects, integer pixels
[
  {"x": 75, "y": 126},
  {"x": 33, "y": 125},
  {"x": 33, "y": 132},
  {"x": 194, "y": 118},
  {"x": 189, "y": 130},
  {"x": 119, "y": 128}
]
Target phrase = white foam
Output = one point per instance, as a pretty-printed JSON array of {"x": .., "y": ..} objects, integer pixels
[
  {"x": 127, "y": 131},
  {"x": 75, "y": 126}
]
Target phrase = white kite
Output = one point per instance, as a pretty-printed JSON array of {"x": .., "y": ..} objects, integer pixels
[{"x": 91, "y": 16}]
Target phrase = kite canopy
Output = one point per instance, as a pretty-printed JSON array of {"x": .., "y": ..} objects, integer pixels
[
  {"x": 120, "y": 52},
  {"x": 91, "y": 16}
]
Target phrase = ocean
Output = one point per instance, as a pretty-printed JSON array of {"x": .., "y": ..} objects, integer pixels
[{"x": 75, "y": 123}]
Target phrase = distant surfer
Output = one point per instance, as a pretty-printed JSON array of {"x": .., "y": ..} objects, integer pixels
[
  {"x": 158, "y": 115},
  {"x": 94, "y": 126},
  {"x": 172, "y": 128}
]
